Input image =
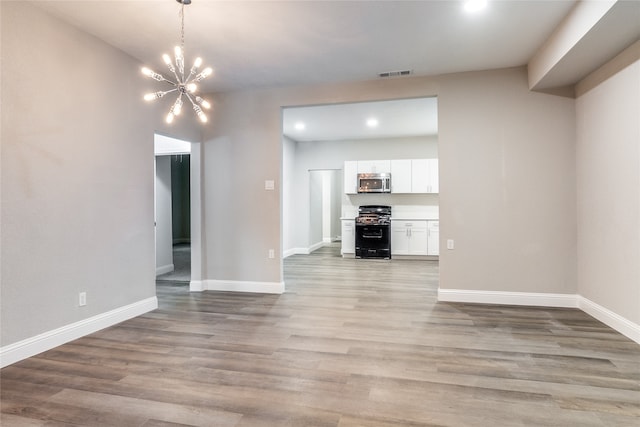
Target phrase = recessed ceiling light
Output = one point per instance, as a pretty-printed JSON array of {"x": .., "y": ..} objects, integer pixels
[
  {"x": 299, "y": 126},
  {"x": 372, "y": 122},
  {"x": 474, "y": 5}
]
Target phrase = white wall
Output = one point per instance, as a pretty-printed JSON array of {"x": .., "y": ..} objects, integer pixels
[
  {"x": 77, "y": 177},
  {"x": 288, "y": 197},
  {"x": 335, "y": 196},
  {"x": 608, "y": 171},
  {"x": 315, "y": 201},
  {"x": 164, "y": 226}
]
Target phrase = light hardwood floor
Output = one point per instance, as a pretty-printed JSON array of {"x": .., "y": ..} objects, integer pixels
[{"x": 351, "y": 343}]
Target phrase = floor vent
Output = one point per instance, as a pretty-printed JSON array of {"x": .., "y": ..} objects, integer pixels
[{"x": 395, "y": 73}]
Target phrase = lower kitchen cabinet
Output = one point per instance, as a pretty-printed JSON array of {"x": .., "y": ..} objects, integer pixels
[
  {"x": 419, "y": 237},
  {"x": 433, "y": 238},
  {"x": 348, "y": 236},
  {"x": 409, "y": 238}
]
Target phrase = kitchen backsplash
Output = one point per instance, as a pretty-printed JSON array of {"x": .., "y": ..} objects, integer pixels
[{"x": 397, "y": 210}]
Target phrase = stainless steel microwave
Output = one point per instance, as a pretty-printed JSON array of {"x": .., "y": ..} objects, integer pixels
[{"x": 374, "y": 183}]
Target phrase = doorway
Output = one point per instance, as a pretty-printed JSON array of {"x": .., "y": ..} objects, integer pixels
[
  {"x": 177, "y": 211},
  {"x": 325, "y": 206},
  {"x": 326, "y": 137}
]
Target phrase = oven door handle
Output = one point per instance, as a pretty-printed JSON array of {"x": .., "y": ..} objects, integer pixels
[{"x": 372, "y": 237}]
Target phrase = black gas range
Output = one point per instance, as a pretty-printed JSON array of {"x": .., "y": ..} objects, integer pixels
[{"x": 373, "y": 232}]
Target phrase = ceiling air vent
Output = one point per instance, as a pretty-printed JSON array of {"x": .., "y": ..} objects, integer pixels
[{"x": 395, "y": 73}]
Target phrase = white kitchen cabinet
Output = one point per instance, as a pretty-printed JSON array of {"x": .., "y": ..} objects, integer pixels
[
  {"x": 433, "y": 237},
  {"x": 433, "y": 177},
  {"x": 424, "y": 176},
  {"x": 401, "y": 176},
  {"x": 409, "y": 238},
  {"x": 420, "y": 175},
  {"x": 348, "y": 236},
  {"x": 414, "y": 176},
  {"x": 350, "y": 177},
  {"x": 374, "y": 166}
]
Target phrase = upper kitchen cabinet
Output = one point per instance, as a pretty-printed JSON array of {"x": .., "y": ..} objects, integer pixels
[
  {"x": 350, "y": 177},
  {"x": 424, "y": 176},
  {"x": 374, "y": 166},
  {"x": 401, "y": 176},
  {"x": 414, "y": 176}
]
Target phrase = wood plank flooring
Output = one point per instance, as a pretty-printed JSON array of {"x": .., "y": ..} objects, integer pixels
[{"x": 351, "y": 343}]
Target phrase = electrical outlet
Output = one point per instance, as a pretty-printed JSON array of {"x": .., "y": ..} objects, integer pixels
[
  {"x": 450, "y": 244},
  {"x": 82, "y": 299},
  {"x": 272, "y": 253}
]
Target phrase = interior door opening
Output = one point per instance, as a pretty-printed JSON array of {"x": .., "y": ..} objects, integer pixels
[
  {"x": 334, "y": 136},
  {"x": 173, "y": 210}
]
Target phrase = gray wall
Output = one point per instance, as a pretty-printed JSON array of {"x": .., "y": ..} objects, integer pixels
[
  {"x": 77, "y": 175},
  {"x": 507, "y": 170},
  {"x": 608, "y": 163},
  {"x": 507, "y": 185},
  {"x": 164, "y": 216}
]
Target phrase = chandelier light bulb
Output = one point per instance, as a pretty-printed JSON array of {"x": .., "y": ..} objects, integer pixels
[
  {"x": 196, "y": 64},
  {"x": 203, "y": 74},
  {"x": 150, "y": 73},
  {"x": 192, "y": 87},
  {"x": 167, "y": 60},
  {"x": 177, "y": 106},
  {"x": 203, "y": 102},
  {"x": 153, "y": 96},
  {"x": 169, "y": 118},
  {"x": 200, "y": 113}
]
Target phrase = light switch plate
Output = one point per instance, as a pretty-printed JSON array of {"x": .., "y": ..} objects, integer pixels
[{"x": 269, "y": 184}]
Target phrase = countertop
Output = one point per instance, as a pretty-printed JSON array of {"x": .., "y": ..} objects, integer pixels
[{"x": 402, "y": 218}]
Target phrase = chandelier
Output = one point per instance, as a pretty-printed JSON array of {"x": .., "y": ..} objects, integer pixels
[{"x": 184, "y": 84}]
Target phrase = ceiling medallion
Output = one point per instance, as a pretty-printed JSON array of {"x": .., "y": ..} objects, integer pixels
[{"x": 184, "y": 84}]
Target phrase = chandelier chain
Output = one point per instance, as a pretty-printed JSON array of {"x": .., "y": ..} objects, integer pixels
[{"x": 182, "y": 26}]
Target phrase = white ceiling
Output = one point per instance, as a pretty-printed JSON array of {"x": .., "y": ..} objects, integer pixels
[
  {"x": 398, "y": 118},
  {"x": 265, "y": 43}
]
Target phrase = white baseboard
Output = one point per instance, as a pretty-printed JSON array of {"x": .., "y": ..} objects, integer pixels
[
  {"x": 508, "y": 298},
  {"x": 295, "y": 251},
  {"x": 46, "y": 341},
  {"x": 303, "y": 251},
  {"x": 165, "y": 269},
  {"x": 292, "y": 251},
  {"x": 606, "y": 316},
  {"x": 611, "y": 319},
  {"x": 243, "y": 286},
  {"x": 316, "y": 246},
  {"x": 196, "y": 286}
]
